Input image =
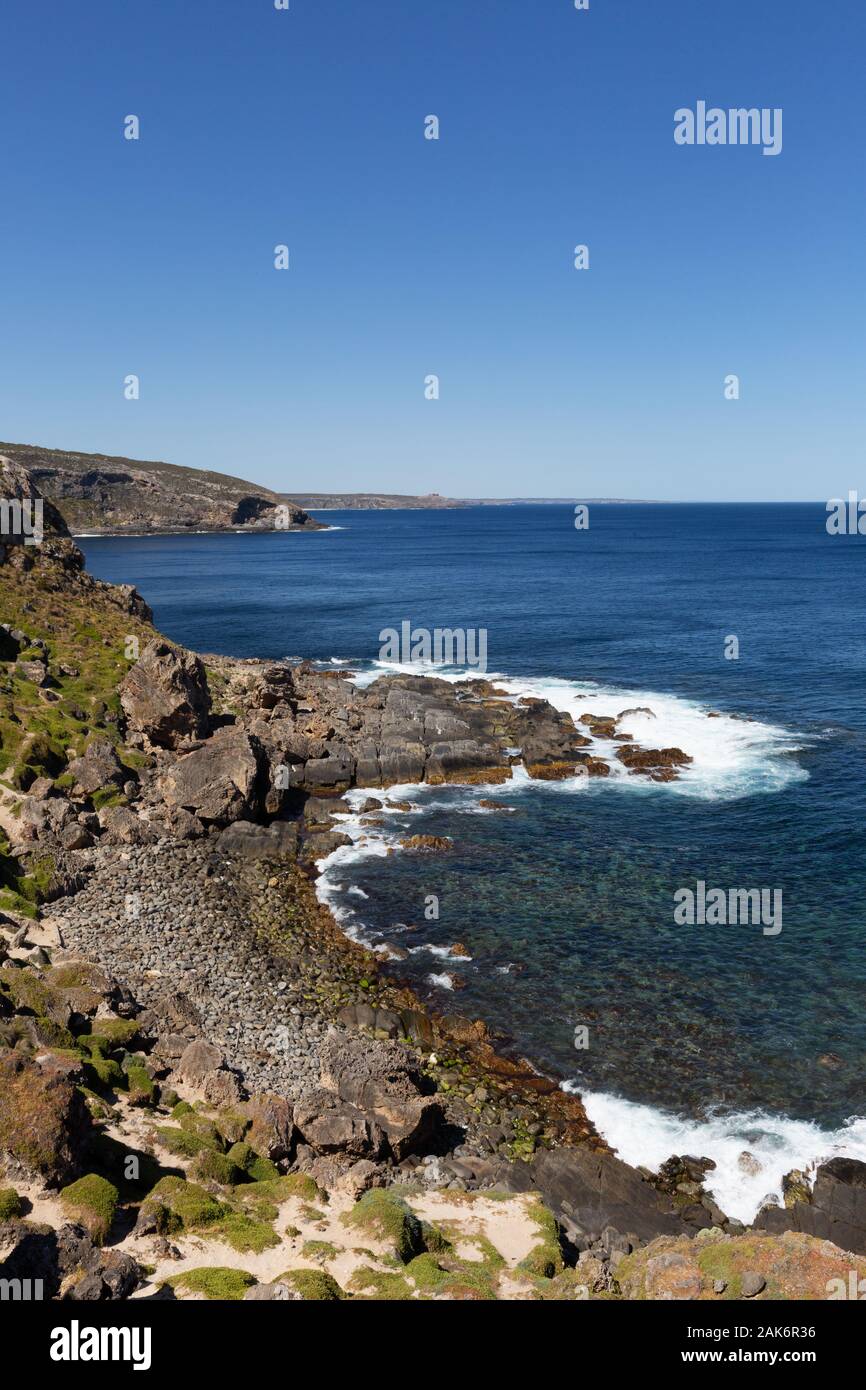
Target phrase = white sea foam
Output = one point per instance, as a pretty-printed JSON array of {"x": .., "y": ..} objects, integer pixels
[
  {"x": 645, "y": 1136},
  {"x": 441, "y": 981},
  {"x": 733, "y": 756},
  {"x": 444, "y": 952}
]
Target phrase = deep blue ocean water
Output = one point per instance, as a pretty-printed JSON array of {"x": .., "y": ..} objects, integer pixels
[{"x": 567, "y": 905}]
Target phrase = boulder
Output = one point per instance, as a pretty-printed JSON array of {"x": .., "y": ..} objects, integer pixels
[
  {"x": 203, "y": 1067},
  {"x": 44, "y": 1122},
  {"x": 272, "y": 1131},
  {"x": 427, "y": 844},
  {"x": 382, "y": 1082},
  {"x": 329, "y": 1126},
  {"x": 16, "y": 484},
  {"x": 66, "y": 1262},
  {"x": 466, "y": 760},
  {"x": 165, "y": 695},
  {"x": 220, "y": 782},
  {"x": 76, "y": 837},
  {"x": 121, "y": 826},
  {"x": 97, "y": 768},
  {"x": 276, "y": 841},
  {"x": 272, "y": 1293},
  {"x": 331, "y": 775}
]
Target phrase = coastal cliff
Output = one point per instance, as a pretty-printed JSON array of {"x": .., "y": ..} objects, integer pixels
[{"x": 102, "y": 495}]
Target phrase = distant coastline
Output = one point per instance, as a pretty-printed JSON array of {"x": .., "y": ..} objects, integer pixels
[{"x": 374, "y": 501}]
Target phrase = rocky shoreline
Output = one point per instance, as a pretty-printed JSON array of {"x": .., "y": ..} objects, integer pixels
[{"x": 171, "y": 989}]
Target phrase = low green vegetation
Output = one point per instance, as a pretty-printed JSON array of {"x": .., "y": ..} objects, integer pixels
[
  {"x": 544, "y": 1260},
  {"x": 379, "y": 1285},
  {"x": 245, "y": 1233},
  {"x": 314, "y": 1285},
  {"x": 214, "y": 1282},
  {"x": 319, "y": 1250},
  {"x": 84, "y": 636},
  {"x": 211, "y": 1166},
  {"x": 118, "y": 1032}
]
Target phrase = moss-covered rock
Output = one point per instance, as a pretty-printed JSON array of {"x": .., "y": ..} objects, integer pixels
[
  {"x": 140, "y": 1085},
  {"x": 104, "y": 1073},
  {"x": 45, "y": 1125},
  {"x": 211, "y": 1166},
  {"x": 29, "y": 992},
  {"x": 81, "y": 984},
  {"x": 117, "y": 1032},
  {"x": 231, "y": 1125},
  {"x": 195, "y": 1123},
  {"x": 182, "y": 1142},
  {"x": 256, "y": 1168},
  {"x": 92, "y": 1200},
  {"x": 314, "y": 1285},
  {"x": 386, "y": 1217},
  {"x": 177, "y": 1205}
]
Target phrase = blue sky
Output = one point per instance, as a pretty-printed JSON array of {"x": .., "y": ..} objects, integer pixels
[{"x": 411, "y": 257}]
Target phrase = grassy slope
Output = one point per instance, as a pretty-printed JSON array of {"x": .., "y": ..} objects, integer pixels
[{"x": 87, "y": 632}]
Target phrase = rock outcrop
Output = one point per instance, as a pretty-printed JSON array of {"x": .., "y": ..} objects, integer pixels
[
  {"x": 834, "y": 1210},
  {"x": 165, "y": 697}
]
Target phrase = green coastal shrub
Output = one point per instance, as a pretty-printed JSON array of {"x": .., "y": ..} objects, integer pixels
[
  {"x": 245, "y": 1233},
  {"x": 379, "y": 1286},
  {"x": 11, "y": 1207},
  {"x": 426, "y": 1273},
  {"x": 319, "y": 1250}
]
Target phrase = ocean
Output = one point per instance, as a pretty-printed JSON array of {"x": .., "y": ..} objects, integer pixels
[{"x": 706, "y": 1039}]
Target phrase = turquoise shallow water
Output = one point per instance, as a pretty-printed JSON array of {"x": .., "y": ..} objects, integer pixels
[{"x": 574, "y": 891}]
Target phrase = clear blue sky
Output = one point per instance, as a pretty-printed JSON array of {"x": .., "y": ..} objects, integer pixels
[{"x": 411, "y": 257}]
